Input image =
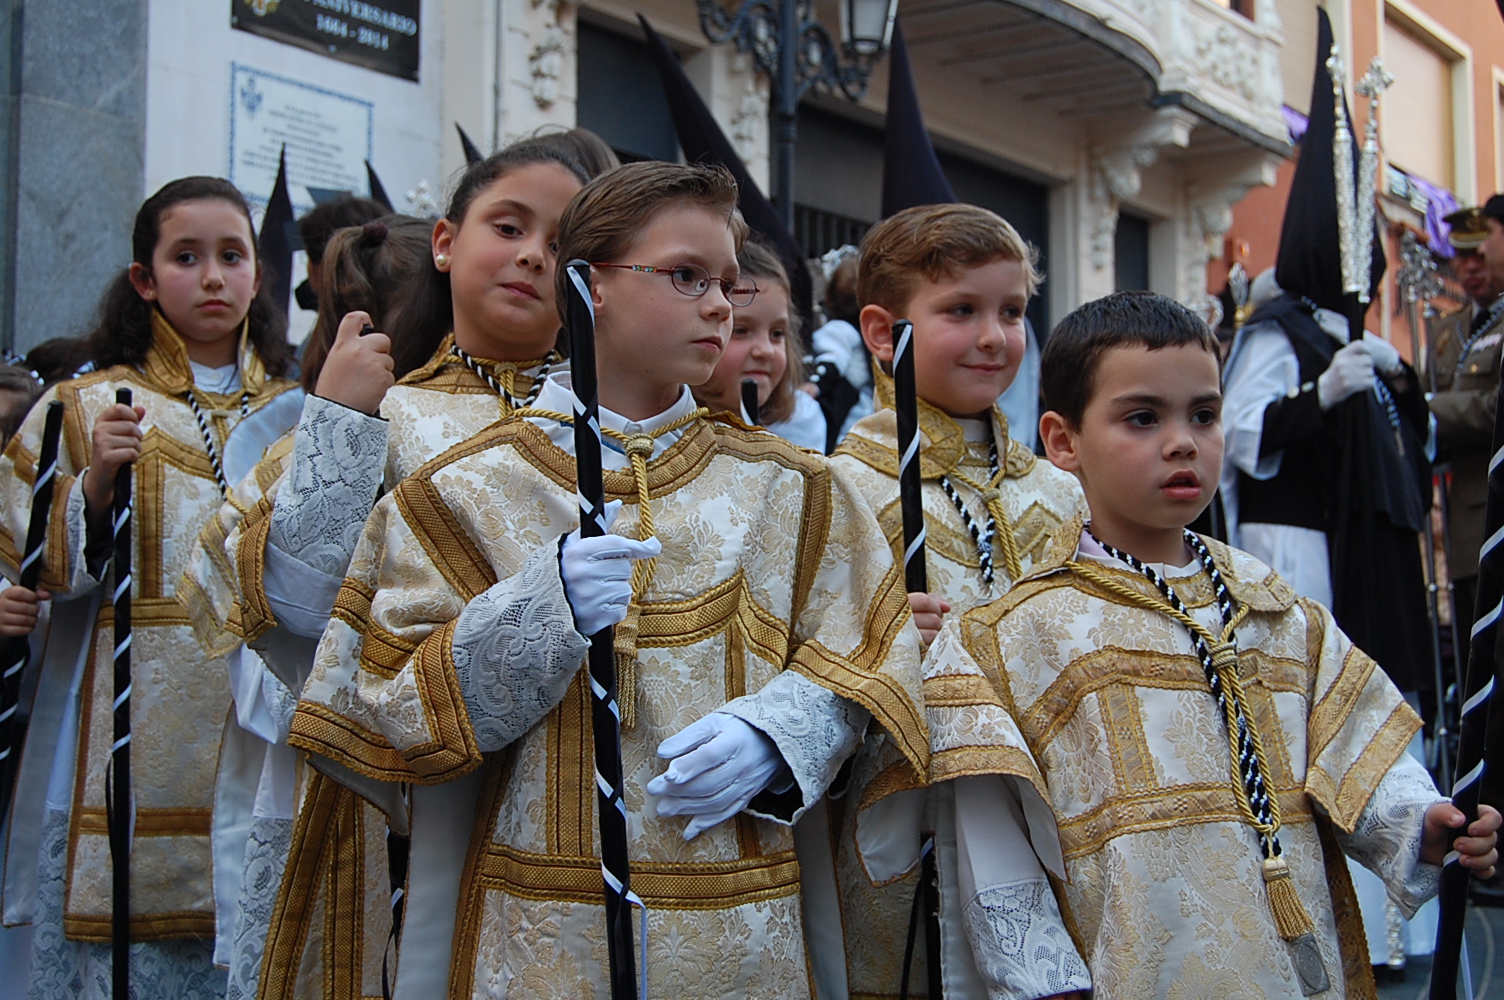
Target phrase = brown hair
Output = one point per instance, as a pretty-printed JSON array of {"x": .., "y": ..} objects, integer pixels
[
  {"x": 365, "y": 267},
  {"x": 758, "y": 261},
  {"x": 123, "y": 334},
  {"x": 1073, "y": 353},
  {"x": 610, "y": 212},
  {"x": 929, "y": 242},
  {"x": 14, "y": 378}
]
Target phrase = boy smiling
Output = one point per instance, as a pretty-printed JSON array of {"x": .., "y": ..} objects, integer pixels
[{"x": 1131, "y": 651}]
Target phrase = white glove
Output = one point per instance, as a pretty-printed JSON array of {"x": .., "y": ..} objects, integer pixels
[
  {"x": 1350, "y": 373},
  {"x": 597, "y": 574},
  {"x": 1386, "y": 358},
  {"x": 715, "y": 768}
]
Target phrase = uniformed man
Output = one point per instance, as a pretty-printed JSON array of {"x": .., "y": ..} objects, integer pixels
[{"x": 1466, "y": 350}]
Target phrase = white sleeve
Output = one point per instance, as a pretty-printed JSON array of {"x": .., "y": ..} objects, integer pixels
[
  {"x": 516, "y": 651},
  {"x": 1018, "y": 939},
  {"x": 1263, "y": 369},
  {"x": 1386, "y": 838},
  {"x": 814, "y": 729},
  {"x": 338, "y": 460}
]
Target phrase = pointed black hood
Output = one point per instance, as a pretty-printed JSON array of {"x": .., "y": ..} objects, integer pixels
[
  {"x": 1310, "y": 253},
  {"x": 472, "y": 152},
  {"x": 702, "y": 140},
  {"x": 378, "y": 191},
  {"x": 911, "y": 170},
  {"x": 275, "y": 248}
]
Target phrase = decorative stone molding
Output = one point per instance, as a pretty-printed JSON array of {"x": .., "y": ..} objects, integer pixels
[
  {"x": 1117, "y": 172},
  {"x": 1226, "y": 57}
]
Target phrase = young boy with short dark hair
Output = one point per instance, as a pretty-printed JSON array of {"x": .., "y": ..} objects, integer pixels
[{"x": 1199, "y": 863}]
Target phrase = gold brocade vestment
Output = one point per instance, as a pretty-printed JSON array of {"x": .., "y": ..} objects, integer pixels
[
  {"x": 332, "y": 913},
  {"x": 180, "y": 702},
  {"x": 769, "y": 563},
  {"x": 1165, "y": 896}
]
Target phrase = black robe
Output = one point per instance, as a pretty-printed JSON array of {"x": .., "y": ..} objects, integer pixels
[{"x": 1365, "y": 482}]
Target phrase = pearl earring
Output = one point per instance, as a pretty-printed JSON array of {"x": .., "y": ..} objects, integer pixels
[{"x": 441, "y": 260}]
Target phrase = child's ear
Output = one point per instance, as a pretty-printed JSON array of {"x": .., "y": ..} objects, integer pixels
[
  {"x": 1059, "y": 439},
  {"x": 443, "y": 243},
  {"x": 142, "y": 281},
  {"x": 877, "y": 331}
]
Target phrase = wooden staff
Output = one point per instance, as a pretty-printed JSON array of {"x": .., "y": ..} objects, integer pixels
[
  {"x": 17, "y": 649},
  {"x": 118, "y": 798},
  {"x": 916, "y": 581},
  {"x": 749, "y": 401},
  {"x": 605, "y": 714}
]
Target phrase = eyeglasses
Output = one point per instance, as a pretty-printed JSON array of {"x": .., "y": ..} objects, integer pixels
[{"x": 694, "y": 281}]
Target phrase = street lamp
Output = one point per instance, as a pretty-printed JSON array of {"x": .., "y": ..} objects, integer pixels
[{"x": 796, "y": 52}]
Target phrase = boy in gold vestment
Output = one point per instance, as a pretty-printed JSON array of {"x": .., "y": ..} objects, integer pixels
[{"x": 1199, "y": 864}]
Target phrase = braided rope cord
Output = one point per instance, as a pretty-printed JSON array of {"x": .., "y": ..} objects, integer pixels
[
  {"x": 999, "y": 530},
  {"x": 215, "y": 462},
  {"x": 505, "y": 386}
]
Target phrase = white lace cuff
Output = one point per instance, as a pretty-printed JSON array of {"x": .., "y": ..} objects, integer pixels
[
  {"x": 815, "y": 730},
  {"x": 1386, "y": 838},
  {"x": 338, "y": 460},
  {"x": 516, "y": 651},
  {"x": 1020, "y": 943}
]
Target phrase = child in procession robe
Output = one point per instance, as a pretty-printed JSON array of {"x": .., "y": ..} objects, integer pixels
[{"x": 1199, "y": 863}]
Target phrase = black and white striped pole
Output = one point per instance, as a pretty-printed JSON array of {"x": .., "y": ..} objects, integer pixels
[
  {"x": 605, "y": 714},
  {"x": 750, "y": 405},
  {"x": 916, "y": 581},
  {"x": 17, "y": 650},
  {"x": 1478, "y": 689},
  {"x": 119, "y": 804}
]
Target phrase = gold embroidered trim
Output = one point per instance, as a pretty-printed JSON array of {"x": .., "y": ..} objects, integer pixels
[
  {"x": 98, "y": 928},
  {"x": 1159, "y": 808},
  {"x": 292, "y": 915},
  {"x": 256, "y": 617},
  {"x": 663, "y": 885},
  {"x": 453, "y": 751},
  {"x": 452, "y": 552},
  {"x": 959, "y": 762},
  {"x": 1345, "y": 797},
  {"x": 329, "y": 734},
  {"x": 958, "y": 691},
  {"x": 187, "y": 822}
]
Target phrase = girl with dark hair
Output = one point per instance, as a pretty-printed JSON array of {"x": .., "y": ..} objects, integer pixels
[
  {"x": 188, "y": 330},
  {"x": 474, "y": 330}
]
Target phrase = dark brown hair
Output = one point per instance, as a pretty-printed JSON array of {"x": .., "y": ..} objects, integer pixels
[
  {"x": 318, "y": 227},
  {"x": 427, "y": 313},
  {"x": 365, "y": 268},
  {"x": 14, "y": 378},
  {"x": 929, "y": 242},
  {"x": 1068, "y": 365},
  {"x": 605, "y": 218},
  {"x": 122, "y": 334}
]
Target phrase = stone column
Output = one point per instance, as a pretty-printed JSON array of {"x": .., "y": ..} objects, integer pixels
[{"x": 72, "y": 159}]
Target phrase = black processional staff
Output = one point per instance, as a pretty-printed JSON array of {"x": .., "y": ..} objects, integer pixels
[
  {"x": 749, "y": 401},
  {"x": 16, "y": 653},
  {"x": 1478, "y": 689},
  {"x": 605, "y": 714},
  {"x": 118, "y": 797},
  {"x": 916, "y": 581}
]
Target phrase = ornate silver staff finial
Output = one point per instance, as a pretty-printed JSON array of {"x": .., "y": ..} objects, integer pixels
[
  {"x": 1371, "y": 85},
  {"x": 1419, "y": 278},
  {"x": 1242, "y": 293},
  {"x": 1353, "y": 248}
]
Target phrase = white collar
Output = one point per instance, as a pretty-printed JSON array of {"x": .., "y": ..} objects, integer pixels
[
  {"x": 557, "y": 394},
  {"x": 222, "y": 380}
]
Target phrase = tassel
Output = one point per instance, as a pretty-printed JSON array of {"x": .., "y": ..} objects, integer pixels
[
  {"x": 1290, "y": 916},
  {"x": 626, "y": 666}
]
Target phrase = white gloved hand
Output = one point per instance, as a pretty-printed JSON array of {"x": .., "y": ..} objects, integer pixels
[
  {"x": 597, "y": 574},
  {"x": 716, "y": 766},
  {"x": 1350, "y": 373},
  {"x": 1386, "y": 358}
]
